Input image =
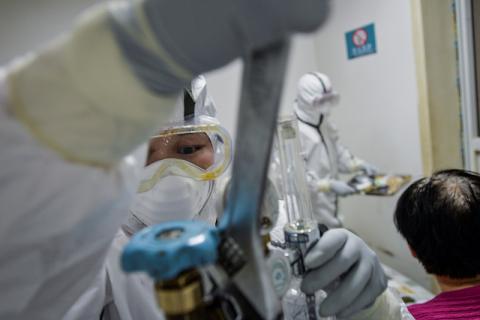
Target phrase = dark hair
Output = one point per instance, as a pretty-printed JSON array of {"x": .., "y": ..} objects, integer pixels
[{"x": 440, "y": 219}]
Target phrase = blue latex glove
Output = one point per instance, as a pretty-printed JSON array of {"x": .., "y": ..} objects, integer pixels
[
  {"x": 198, "y": 36},
  {"x": 348, "y": 269}
]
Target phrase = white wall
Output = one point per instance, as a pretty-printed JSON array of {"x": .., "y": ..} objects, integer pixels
[{"x": 378, "y": 116}]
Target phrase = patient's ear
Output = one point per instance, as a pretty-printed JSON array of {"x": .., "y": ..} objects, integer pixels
[{"x": 414, "y": 254}]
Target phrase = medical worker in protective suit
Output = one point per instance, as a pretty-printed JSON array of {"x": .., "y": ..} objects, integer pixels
[
  {"x": 186, "y": 178},
  {"x": 183, "y": 161},
  {"x": 72, "y": 113},
  {"x": 325, "y": 157}
]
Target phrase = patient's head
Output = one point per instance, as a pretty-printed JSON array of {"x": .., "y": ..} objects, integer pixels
[{"x": 440, "y": 219}]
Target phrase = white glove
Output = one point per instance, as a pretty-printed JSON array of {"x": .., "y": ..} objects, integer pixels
[
  {"x": 368, "y": 168},
  {"x": 343, "y": 261},
  {"x": 341, "y": 188},
  {"x": 167, "y": 42}
]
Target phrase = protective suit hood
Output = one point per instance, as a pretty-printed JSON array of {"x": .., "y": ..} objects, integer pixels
[
  {"x": 315, "y": 97},
  {"x": 174, "y": 188}
]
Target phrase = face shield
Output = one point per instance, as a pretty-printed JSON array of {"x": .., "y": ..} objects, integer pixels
[{"x": 199, "y": 149}]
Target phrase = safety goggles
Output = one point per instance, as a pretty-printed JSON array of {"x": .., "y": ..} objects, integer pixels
[{"x": 201, "y": 151}]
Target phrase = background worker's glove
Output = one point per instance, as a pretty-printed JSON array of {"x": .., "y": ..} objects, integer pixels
[
  {"x": 347, "y": 269},
  {"x": 341, "y": 188},
  {"x": 368, "y": 168}
]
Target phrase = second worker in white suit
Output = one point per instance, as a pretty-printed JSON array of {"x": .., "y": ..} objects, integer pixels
[{"x": 324, "y": 156}]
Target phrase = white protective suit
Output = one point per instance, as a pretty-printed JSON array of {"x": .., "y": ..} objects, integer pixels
[
  {"x": 52, "y": 240},
  {"x": 324, "y": 156},
  {"x": 116, "y": 295}
]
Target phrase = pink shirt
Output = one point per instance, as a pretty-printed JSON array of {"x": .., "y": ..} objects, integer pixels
[{"x": 458, "y": 304}]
